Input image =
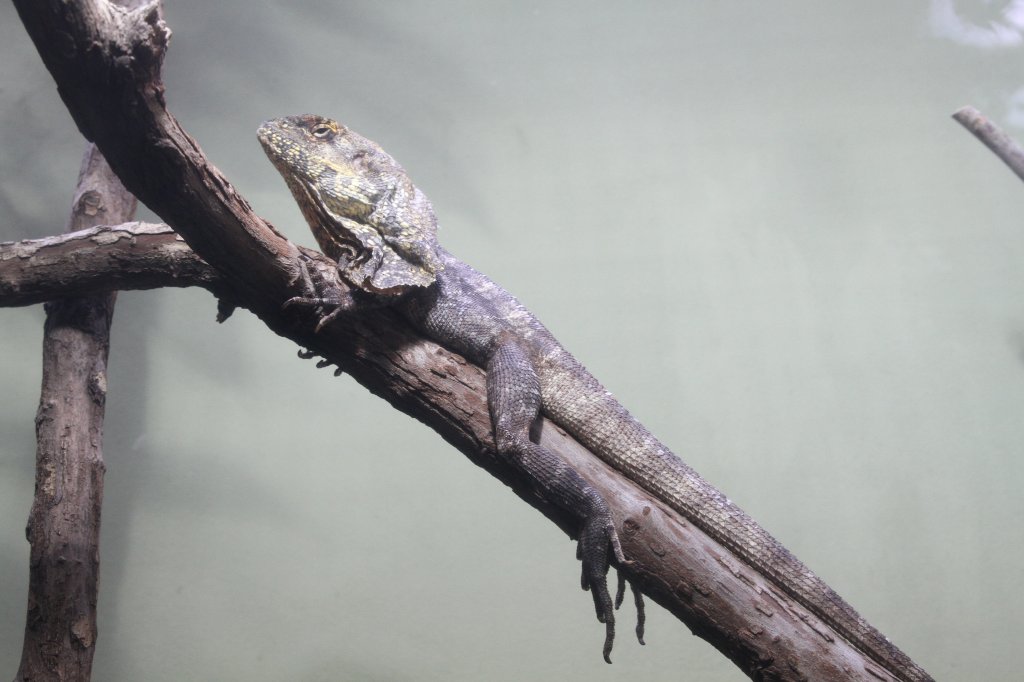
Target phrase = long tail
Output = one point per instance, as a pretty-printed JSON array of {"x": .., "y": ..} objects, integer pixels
[{"x": 574, "y": 399}]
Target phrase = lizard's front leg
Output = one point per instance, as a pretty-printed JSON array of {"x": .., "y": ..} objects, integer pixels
[
  {"x": 321, "y": 292},
  {"x": 513, "y": 396}
]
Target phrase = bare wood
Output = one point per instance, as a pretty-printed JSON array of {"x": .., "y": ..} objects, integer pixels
[
  {"x": 64, "y": 523},
  {"x": 1001, "y": 144},
  {"x": 676, "y": 564},
  {"x": 100, "y": 259}
]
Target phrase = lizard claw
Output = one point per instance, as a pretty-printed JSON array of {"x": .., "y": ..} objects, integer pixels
[
  {"x": 596, "y": 537},
  {"x": 317, "y": 303},
  {"x": 320, "y": 295},
  {"x": 638, "y": 601},
  {"x": 330, "y": 317}
]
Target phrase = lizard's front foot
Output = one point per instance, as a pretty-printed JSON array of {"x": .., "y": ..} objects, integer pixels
[
  {"x": 333, "y": 306},
  {"x": 321, "y": 296}
]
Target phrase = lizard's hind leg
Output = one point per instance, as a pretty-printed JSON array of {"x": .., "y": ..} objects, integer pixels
[{"x": 513, "y": 396}]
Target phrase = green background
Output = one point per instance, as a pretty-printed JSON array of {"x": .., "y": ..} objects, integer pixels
[{"x": 755, "y": 222}]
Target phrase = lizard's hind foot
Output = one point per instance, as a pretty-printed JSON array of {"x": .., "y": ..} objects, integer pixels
[
  {"x": 638, "y": 601},
  {"x": 596, "y": 538},
  {"x": 514, "y": 399},
  {"x": 597, "y": 544}
]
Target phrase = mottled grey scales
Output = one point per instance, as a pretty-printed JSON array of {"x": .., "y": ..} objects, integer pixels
[{"x": 365, "y": 213}]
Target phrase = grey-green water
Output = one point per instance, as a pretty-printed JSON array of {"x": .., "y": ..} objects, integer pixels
[{"x": 755, "y": 222}]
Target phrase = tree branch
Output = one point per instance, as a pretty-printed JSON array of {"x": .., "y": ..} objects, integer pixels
[
  {"x": 64, "y": 523},
  {"x": 101, "y": 259},
  {"x": 101, "y": 60},
  {"x": 1001, "y": 144}
]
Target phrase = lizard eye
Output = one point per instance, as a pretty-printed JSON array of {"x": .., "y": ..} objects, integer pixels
[{"x": 322, "y": 131}]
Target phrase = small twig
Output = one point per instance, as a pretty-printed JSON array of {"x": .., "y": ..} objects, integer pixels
[{"x": 1001, "y": 144}]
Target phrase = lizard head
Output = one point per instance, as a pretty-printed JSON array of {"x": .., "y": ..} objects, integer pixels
[{"x": 361, "y": 206}]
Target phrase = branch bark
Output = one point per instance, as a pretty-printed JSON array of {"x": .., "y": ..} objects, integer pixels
[
  {"x": 102, "y": 60},
  {"x": 1001, "y": 144},
  {"x": 99, "y": 260},
  {"x": 64, "y": 523}
]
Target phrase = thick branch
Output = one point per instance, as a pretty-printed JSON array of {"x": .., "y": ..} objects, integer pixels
[
  {"x": 103, "y": 79},
  {"x": 100, "y": 259},
  {"x": 1001, "y": 144},
  {"x": 64, "y": 524}
]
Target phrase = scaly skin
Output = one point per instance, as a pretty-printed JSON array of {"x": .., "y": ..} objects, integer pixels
[{"x": 367, "y": 215}]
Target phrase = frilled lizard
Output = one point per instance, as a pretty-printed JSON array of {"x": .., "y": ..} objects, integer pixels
[{"x": 368, "y": 216}]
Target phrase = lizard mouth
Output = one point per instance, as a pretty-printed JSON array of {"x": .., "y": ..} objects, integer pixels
[
  {"x": 267, "y": 132},
  {"x": 263, "y": 132},
  {"x": 277, "y": 146}
]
